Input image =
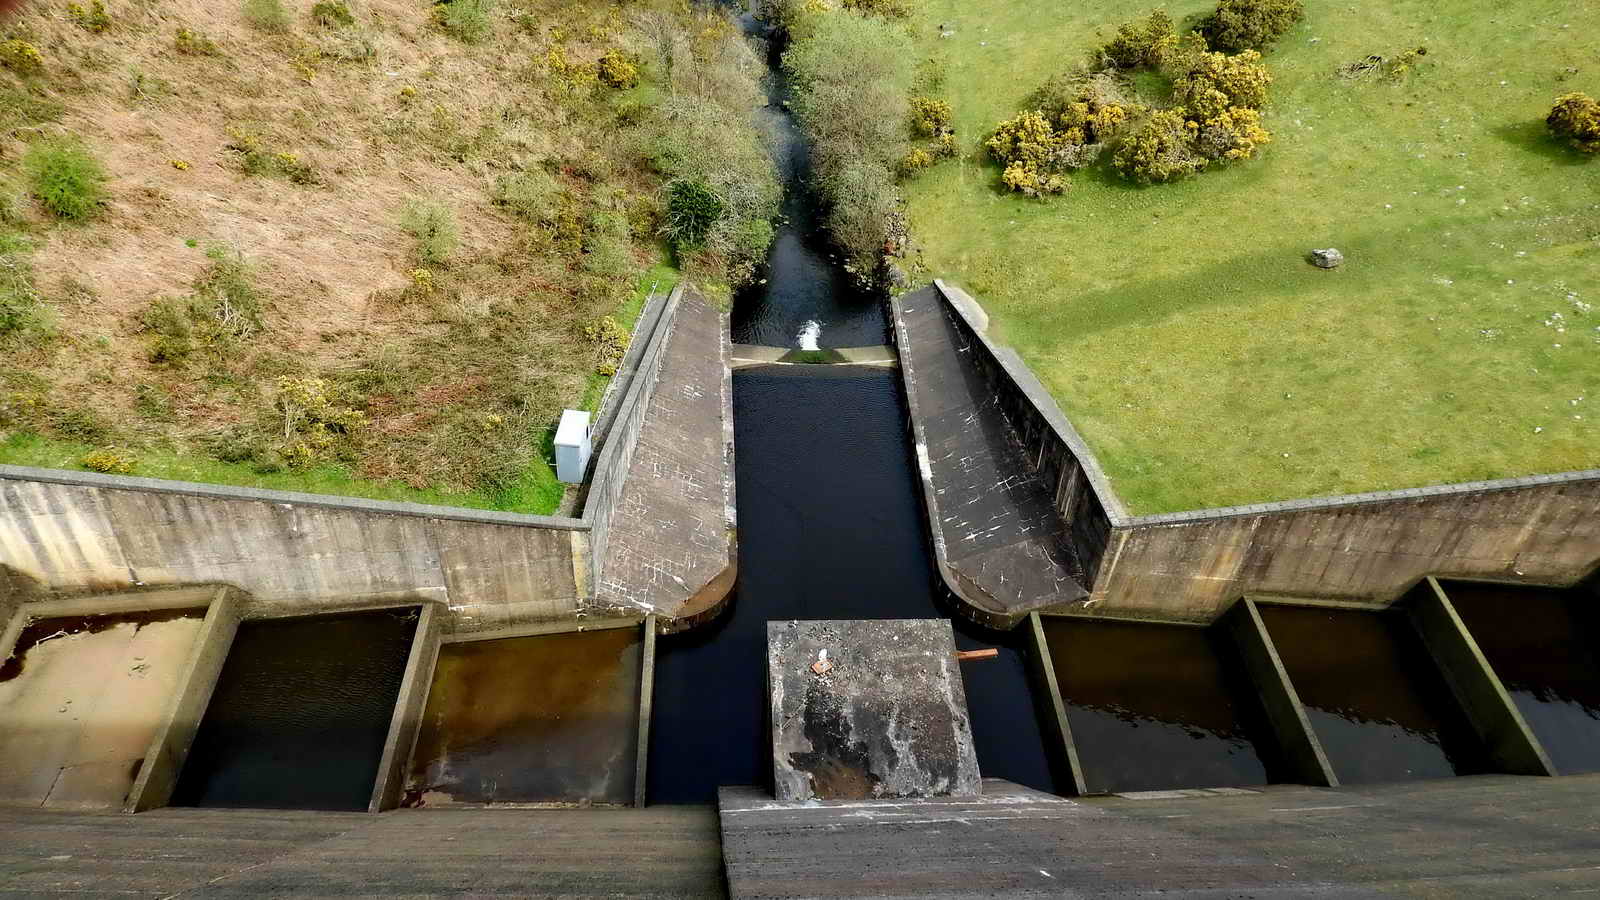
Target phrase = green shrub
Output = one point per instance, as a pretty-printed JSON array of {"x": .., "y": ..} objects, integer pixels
[
  {"x": 434, "y": 227},
  {"x": 332, "y": 14},
  {"x": 193, "y": 43},
  {"x": 19, "y": 301},
  {"x": 1138, "y": 44},
  {"x": 617, "y": 70},
  {"x": 466, "y": 20},
  {"x": 267, "y": 15},
  {"x": 1575, "y": 118},
  {"x": 79, "y": 424},
  {"x": 1159, "y": 149},
  {"x": 226, "y": 292},
  {"x": 1076, "y": 119},
  {"x": 93, "y": 18},
  {"x": 610, "y": 342},
  {"x": 68, "y": 181},
  {"x": 1251, "y": 24},
  {"x": 317, "y": 421},
  {"x": 21, "y": 57},
  {"x": 110, "y": 460},
  {"x": 851, "y": 76},
  {"x": 693, "y": 209},
  {"x": 529, "y": 194}
]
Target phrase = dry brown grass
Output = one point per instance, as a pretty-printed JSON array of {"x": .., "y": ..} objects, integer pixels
[{"x": 424, "y": 116}]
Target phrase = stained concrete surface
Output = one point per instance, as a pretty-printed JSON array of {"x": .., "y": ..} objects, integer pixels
[
  {"x": 868, "y": 708},
  {"x": 660, "y": 852},
  {"x": 999, "y": 540},
  {"x": 545, "y": 719},
  {"x": 80, "y": 701},
  {"x": 1485, "y": 836},
  {"x": 668, "y": 547}
]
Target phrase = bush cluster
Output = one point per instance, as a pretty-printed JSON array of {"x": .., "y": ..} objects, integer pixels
[
  {"x": 92, "y": 18},
  {"x": 254, "y": 157},
  {"x": 224, "y": 308},
  {"x": 466, "y": 20},
  {"x": 110, "y": 460},
  {"x": 617, "y": 70},
  {"x": 193, "y": 43},
  {"x": 67, "y": 180},
  {"x": 267, "y": 15},
  {"x": 19, "y": 302},
  {"x": 332, "y": 14},
  {"x": 1575, "y": 118},
  {"x": 1214, "y": 114},
  {"x": 21, "y": 57},
  {"x": 1239, "y": 25},
  {"x": 434, "y": 227}
]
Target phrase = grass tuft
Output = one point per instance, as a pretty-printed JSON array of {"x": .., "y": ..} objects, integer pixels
[{"x": 66, "y": 179}]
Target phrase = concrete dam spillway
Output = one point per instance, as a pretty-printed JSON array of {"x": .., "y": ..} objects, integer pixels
[{"x": 814, "y": 457}]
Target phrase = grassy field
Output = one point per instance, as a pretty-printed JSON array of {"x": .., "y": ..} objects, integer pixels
[{"x": 1180, "y": 326}]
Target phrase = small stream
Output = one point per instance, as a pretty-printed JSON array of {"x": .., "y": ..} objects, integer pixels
[{"x": 831, "y": 524}]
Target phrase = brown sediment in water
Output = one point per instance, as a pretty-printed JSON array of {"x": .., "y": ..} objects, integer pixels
[{"x": 542, "y": 719}]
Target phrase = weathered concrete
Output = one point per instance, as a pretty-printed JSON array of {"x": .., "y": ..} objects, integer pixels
[
  {"x": 747, "y": 355},
  {"x": 163, "y": 761},
  {"x": 1302, "y": 751},
  {"x": 868, "y": 708},
  {"x": 1512, "y": 745},
  {"x": 1058, "y": 730},
  {"x": 63, "y": 531},
  {"x": 664, "y": 852},
  {"x": 998, "y": 539},
  {"x": 408, "y": 706},
  {"x": 668, "y": 545},
  {"x": 88, "y": 703},
  {"x": 647, "y": 696},
  {"x": 1486, "y": 836},
  {"x": 1189, "y": 566}
]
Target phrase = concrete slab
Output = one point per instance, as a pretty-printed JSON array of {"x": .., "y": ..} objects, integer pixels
[
  {"x": 81, "y": 698},
  {"x": 661, "y": 852},
  {"x": 670, "y": 544},
  {"x": 1001, "y": 545},
  {"x": 1484, "y": 836},
  {"x": 868, "y": 709}
]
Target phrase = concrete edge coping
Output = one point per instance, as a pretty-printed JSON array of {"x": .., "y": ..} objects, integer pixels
[
  {"x": 289, "y": 498},
  {"x": 1042, "y": 400},
  {"x": 1043, "y": 664},
  {"x": 191, "y": 696},
  {"x": 647, "y": 691},
  {"x": 1479, "y": 694},
  {"x": 405, "y": 722},
  {"x": 1286, "y": 715},
  {"x": 542, "y": 629}
]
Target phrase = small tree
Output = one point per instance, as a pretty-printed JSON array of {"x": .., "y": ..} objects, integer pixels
[
  {"x": 1576, "y": 119},
  {"x": 1251, "y": 24}
]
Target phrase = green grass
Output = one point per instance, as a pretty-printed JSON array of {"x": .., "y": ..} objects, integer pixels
[
  {"x": 664, "y": 277},
  {"x": 530, "y": 495},
  {"x": 1180, "y": 327}
]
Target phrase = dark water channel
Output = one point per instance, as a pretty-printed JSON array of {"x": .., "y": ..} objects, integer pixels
[
  {"x": 300, "y": 713},
  {"x": 1545, "y": 647},
  {"x": 831, "y": 524},
  {"x": 1376, "y": 702},
  {"x": 1159, "y": 706}
]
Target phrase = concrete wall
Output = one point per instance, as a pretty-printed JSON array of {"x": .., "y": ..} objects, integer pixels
[{"x": 1190, "y": 566}]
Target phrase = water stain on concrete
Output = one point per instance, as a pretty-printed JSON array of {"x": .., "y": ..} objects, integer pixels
[
  {"x": 542, "y": 719},
  {"x": 81, "y": 699}
]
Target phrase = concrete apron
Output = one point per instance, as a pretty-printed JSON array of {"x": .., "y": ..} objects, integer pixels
[{"x": 162, "y": 694}]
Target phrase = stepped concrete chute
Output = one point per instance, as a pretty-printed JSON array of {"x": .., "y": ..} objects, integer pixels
[{"x": 655, "y": 536}]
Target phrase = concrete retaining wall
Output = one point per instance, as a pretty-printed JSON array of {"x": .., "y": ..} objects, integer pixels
[
  {"x": 1190, "y": 566},
  {"x": 65, "y": 531}
]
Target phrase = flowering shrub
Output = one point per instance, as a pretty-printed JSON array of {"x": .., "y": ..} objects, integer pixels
[{"x": 1576, "y": 118}]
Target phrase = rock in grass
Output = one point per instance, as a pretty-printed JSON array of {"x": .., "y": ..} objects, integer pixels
[{"x": 1330, "y": 258}]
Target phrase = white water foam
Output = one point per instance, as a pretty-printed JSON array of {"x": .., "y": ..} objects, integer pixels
[{"x": 809, "y": 333}]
